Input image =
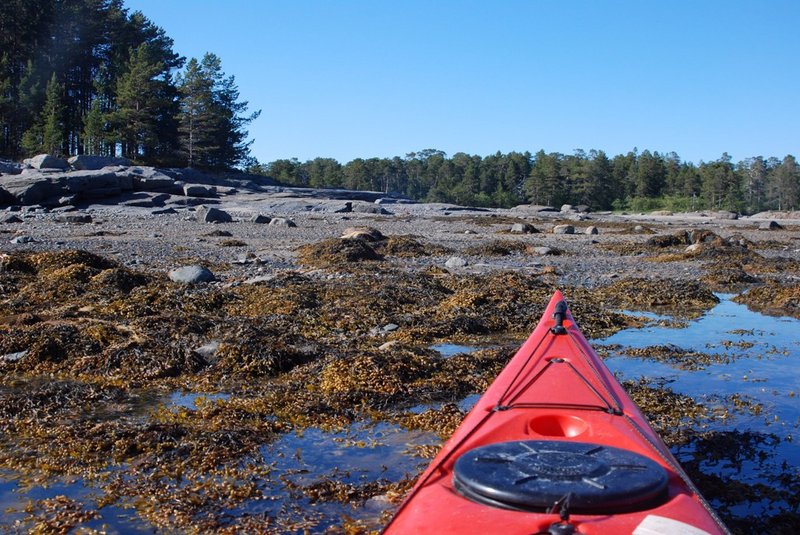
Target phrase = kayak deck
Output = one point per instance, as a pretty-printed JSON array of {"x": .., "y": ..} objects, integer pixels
[{"x": 554, "y": 444}]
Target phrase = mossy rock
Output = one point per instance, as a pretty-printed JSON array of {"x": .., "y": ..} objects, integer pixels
[{"x": 337, "y": 252}]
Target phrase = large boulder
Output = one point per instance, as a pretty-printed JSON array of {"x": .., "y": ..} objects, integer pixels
[
  {"x": 88, "y": 162},
  {"x": 199, "y": 190},
  {"x": 33, "y": 187},
  {"x": 85, "y": 182},
  {"x": 27, "y": 188},
  {"x": 151, "y": 179},
  {"x": 47, "y": 161},
  {"x": 9, "y": 168},
  {"x": 362, "y": 207}
]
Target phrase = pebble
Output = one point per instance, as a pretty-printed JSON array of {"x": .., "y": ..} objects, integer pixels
[
  {"x": 208, "y": 351},
  {"x": 282, "y": 222},
  {"x": 14, "y": 357},
  {"x": 456, "y": 262}
]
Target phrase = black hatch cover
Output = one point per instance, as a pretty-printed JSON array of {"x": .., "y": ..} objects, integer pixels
[{"x": 531, "y": 475}]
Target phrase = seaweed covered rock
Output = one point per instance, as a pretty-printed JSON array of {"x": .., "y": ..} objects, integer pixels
[
  {"x": 410, "y": 247},
  {"x": 497, "y": 248},
  {"x": 677, "y": 297},
  {"x": 668, "y": 240},
  {"x": 727, "y": 277},
  {"x": 377, "y": 374},
  {"x": 337, "y": 252},
  {"x": 773, "y": 298}
]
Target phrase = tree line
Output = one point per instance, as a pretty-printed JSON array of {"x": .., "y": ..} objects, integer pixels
[
  {"x": 88, "y": 77},
  {"x": 633, "y": 181}
]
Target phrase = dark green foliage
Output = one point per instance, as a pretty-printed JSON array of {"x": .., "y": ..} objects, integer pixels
[
  {"x": 88, "y": 77},
  {"x": 212, "y": 133},
  {"x": 633, "y": 181}
]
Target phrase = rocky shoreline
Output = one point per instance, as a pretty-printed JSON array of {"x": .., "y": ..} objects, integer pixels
[{"x": 299, "y": 310}]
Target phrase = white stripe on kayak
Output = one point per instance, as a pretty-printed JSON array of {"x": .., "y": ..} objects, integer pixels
[{"x": 659, "y": 525}]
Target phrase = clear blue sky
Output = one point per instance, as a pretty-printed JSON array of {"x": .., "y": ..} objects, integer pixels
[{"x": 348, "y": 79}]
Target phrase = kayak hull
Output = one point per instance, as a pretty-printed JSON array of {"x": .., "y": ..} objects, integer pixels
[{"x": 554, "y": 391}]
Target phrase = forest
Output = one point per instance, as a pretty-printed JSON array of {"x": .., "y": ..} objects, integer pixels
[
  {"x": 633, "y": 181},
  {"x": 89, "y": 77}
]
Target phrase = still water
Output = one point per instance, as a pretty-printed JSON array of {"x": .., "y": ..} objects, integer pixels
[{"x": 759, "y": 363}]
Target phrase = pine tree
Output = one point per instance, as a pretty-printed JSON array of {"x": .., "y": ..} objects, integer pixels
[
  {"x": 211, "y": 122},
  {"x": 94, "y": 129},
  {"x": 47, "y": 134},
  {"x": 195, "y": 118},
  {"x": 135, "y": 120},
  {"x": 228, "y": 131},
  {"x": 54, "y": 135}
]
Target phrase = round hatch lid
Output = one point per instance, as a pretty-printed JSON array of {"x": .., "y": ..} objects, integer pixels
[{"x": 531, "y": 475}]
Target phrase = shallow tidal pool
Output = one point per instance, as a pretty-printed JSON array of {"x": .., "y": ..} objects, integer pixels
[{"x": 742, "y": 366}]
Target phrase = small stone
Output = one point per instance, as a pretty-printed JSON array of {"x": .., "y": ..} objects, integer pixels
[
  {"x": 261, "y": 219},
  {"x": 208, "y": 351},
  {"x": 770, "y": 225},
  {"x": 208, "y": 214},
  {"x": 592, "y": 230},
  {"x": 191, "y": 275},
  {"x": 282, "y": 222},
  {"x": 566, "y": 208},
  {"x": 11, "y": 219},
  {"x": 639, "y": 229},
  {"x": 22, "y": 239},
  {"x": 246, "y": 258},
  {"x": 388, "y": 345},
  {"x": 523, "y": 228},
  {"x": 259, "y": 279},
  {"x": 456, "y": 262},
  {"x": 14, "y": 357},
  {"x": 544, "y": 251},
  {"x": 694, "y": 248},
  {"x": 390, "y": 327},
  {"x": 563, "y": 229}
]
